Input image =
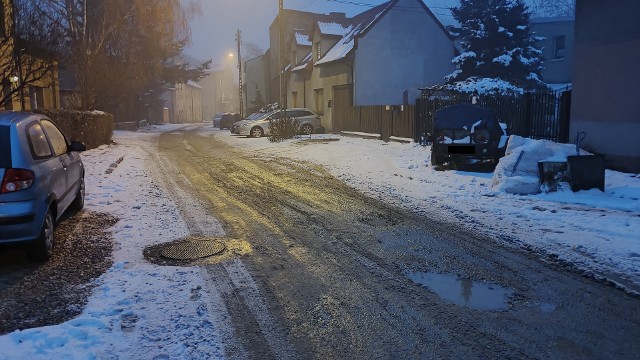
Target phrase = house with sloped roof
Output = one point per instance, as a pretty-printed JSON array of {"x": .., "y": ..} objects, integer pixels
[
  {"x": 372, "y": 59},
  {"x": 285, "y": 25}
]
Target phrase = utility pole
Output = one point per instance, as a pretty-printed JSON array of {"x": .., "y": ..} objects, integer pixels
[
  {"x": 239, "y": 40},
  {"x": 283, "y": 96}
]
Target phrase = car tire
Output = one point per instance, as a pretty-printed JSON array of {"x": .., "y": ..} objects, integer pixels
[
  {"x": 78, "y": 202},
  {"x": 42, "y": 248},
  {"x": 256, "y": 132},
  {"x": 306, "y": 129}
]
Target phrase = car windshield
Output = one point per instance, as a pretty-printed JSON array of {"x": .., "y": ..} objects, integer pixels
[
  {"x": 266, "y": 115},
  {"x": 254, "y": 116},
  {"x": 5, "y": 148}
]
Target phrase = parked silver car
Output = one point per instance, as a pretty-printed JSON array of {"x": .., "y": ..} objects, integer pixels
[
  {"x": 307, "y": 121},
  {"x": 235, "y": 128},
  {"x": 42, "y": 176}
]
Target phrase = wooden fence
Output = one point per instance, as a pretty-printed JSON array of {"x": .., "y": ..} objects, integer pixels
[{"x": 393, "y": 121}]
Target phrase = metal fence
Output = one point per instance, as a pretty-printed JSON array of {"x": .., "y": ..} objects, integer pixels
[{"x": 536, "y": 115}]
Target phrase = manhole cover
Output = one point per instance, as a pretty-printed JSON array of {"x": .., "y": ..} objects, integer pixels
[{"x": 192, "y": 248}]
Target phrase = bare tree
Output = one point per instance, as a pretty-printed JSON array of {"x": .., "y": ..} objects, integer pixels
[
  {"x": 120, "y": 49},
  {"x": 29, "y": 50}
]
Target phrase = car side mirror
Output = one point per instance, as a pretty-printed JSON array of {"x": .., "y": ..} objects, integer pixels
[{"x": 77, "y": 146}]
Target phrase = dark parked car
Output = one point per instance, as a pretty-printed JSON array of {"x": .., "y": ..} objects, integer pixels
[
  {"x": 464, "y": 132},
  {"x": 216, "y": 120},
  {"x": 42, "y": 176},
  {"x": 228, "y": 119}
]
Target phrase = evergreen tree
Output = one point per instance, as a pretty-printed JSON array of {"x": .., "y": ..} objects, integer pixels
[
  {"x": 497, "y": 43},
  {"x": 257, "y": 102}
]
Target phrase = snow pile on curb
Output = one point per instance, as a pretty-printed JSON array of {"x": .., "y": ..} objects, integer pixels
[{"x": 517, "y": 172}]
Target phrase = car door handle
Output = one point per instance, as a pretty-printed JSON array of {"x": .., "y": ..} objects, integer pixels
[{"x": 64, "y": 165}]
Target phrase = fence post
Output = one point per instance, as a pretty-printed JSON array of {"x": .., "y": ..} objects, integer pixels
[
  {"x": 565, "y": 116},
  {"x": 528, "y": 116}
]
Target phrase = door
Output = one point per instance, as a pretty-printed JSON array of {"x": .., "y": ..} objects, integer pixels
[
  {"x": 342, "y": 110},
  {"x": 47, "y": 168},
  {"x": 69, "y": 164}
]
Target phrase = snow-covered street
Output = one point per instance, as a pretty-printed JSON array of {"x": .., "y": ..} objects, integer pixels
[
  {"x": 166, "y": 312},
  {"x": 598, "y": 232}
]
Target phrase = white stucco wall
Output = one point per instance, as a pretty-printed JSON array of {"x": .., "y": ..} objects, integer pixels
[{"x": 405, "y": 49}]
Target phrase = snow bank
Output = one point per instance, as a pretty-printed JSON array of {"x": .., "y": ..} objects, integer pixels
[{"x": 517, "y": 172}]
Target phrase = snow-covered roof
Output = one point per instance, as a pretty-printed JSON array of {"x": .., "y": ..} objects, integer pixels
[
  {"x": 342, "y": 48},
  {"x": 192, "y": 84},
  {"x": 302, "y": 39},
  {"x": 303, "y": 64},
  {"x": 331, "y": 28}
]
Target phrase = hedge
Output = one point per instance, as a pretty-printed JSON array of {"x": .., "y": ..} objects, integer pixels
[{"x": 92, "y": 128}]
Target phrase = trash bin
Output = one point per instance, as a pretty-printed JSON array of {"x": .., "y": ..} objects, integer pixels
[
  {"x": 551, "y": 173},
  {"x": 586, "y": 172}
]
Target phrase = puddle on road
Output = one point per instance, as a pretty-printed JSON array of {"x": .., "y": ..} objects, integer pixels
[{"x": 465, "y": 292}]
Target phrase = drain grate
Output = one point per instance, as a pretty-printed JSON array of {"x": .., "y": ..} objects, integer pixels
[{"x": 192, "y": 248}]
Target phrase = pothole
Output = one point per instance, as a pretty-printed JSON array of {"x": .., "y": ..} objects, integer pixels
[
  {"x": 465, "y": 292},
  {"x": 184, "y": 250}
]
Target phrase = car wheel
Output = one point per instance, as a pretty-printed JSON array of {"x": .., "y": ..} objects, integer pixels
[
  {"x": 306, "y": 129},
  {"x": 257, "y": 132},
  {"x": 43, "y": 246},
  {"x": 78, "y": 202}
]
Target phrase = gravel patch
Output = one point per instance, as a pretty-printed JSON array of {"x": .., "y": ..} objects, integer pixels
[{"x": 42, "y": 294}]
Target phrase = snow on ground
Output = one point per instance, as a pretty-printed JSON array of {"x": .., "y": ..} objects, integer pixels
[{"x": 140, "y": 310}]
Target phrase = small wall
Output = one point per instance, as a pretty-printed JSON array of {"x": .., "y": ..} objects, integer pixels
[{"x": 92, "y": 128}]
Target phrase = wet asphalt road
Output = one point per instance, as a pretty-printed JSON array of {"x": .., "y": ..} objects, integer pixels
[{"x": 314, "y": 269}]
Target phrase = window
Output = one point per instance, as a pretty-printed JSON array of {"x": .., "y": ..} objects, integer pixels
[
  {"x": 318, "y": 51},
  {"x": 38, "y": 142},
  {"x": 58, "y": 141},
  {"x": 36, "y": 96},
  {"x": 294, "y": 97},
  {"x": 559, "y": 47},
  {"x": 319, "y": 100},
  {"x": 278, "y": 115}
]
